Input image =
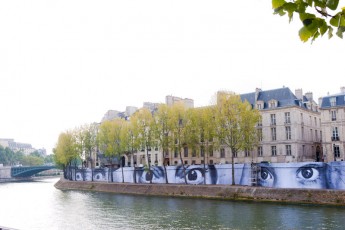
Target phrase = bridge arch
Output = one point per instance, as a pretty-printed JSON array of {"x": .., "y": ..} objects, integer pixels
[{"x": 28, "y": 171}]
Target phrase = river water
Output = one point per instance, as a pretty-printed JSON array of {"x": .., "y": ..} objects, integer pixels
[{"x": 38, "y": 205}]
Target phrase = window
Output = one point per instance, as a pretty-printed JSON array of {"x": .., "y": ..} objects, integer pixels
[
  {"x": 316, "y": 137},
  {"x": 273, "y": 134},
  {"x": 222, "y": 153},
  {"x": 193, "y": 153},
  {"x": 186, "y": 162},
  {"x": 260, "y": 121},
  {"x": 210, "y": 151},
  {"x": 246, "y": 153},
  {"x": 202, "y": 162},
  {"x": 202, "y": 151},
  {"x": 287, "y": 118},
  {"x": 175, "y": 162},
  {"x": 274, "y": 150},
  {"x": 260, "y": 134},
  {"x": 273, "y": 119},
  {"x": 272, "y": 104},
  {"x": 185, "y": 151},
  {"x": 193, "y": 162},
  {"x": 320, "y": 135},
  {"x": 311, "y": 135},
  {"x": 315, "y": 122},
  {"x": 302, "y": 132},
  {"x": 258, "y": 106},
  {"x": 175, "y": 153},
  {"x": 288, "y": 132},
  {"x": 335, "y": 136},
  {"x": 333, "y": 101},
  {"x": 211, "y": 162},
  {"x": 260, "y": 151},
  {"x": 336, "y": 151},
  {"x": 288, "y": 150},
  {"x": 235, "y": 154},
  {"x": 303, "y": 149},
  {"x": 334, "y": 115}
]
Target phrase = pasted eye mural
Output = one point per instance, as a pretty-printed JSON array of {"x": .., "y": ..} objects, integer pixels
[
  {"x": 293, "y": 175},
  {"x": 278, "y": 175}
]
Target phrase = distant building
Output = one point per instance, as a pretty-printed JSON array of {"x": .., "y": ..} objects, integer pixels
[
  {"x": 171, "y": 100},
  {"x": 151, "y": 106},
  {"x": 17, "y": 146},
  {"x": 130, "y": 110},
  {"x": 332, "y": 109}
]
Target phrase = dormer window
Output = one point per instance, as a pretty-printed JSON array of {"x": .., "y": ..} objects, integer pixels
[
  {"x": 273, "y": 104},
  {"x": 259, "y": 105},
  {"x": 333, "y": 101}
]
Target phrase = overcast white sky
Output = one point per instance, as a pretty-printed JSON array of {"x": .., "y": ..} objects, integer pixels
[{"x": 65, "y": 63}]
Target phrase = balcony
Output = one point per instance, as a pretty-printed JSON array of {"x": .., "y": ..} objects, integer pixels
[{"x": 335, "y": 138}]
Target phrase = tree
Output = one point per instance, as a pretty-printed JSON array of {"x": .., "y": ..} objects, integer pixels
[
  {"x": 178, "y": 125},
  {"x": 206, "y": 124},
  {"x": 235, "y": 124},
  {"x": 129, "y": 136},
  {"x": 162, "y": 133},
  {"x": 317, "y": 16},
  {"x": 90, "y": 141},
  {"x": 65, "y": 151},
  {"x": 110, "y": 142},
  {"x": 142, "y": 122}
]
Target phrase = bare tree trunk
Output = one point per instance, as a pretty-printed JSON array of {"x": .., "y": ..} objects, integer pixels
[
  {"x": 123, "y": 178},
  {"x": 183, "y": 168},
  {"x": 233, "y": 167},
  {"x": 149, "y": 163}
]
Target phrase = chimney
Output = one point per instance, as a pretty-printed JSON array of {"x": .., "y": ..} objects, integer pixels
[
  {"x": 320, "y": 102},
  {"x": 257, "y": 91},
  {"x": 342, "y": 89},
  {"x": 299, "y": 94},
  {"x": 309, "y": 96}
]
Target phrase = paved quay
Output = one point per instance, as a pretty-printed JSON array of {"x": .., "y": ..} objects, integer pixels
[{"x": 222, "y": 192}]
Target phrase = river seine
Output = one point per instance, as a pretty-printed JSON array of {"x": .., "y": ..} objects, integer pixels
[{"x": 39, "y": 205}]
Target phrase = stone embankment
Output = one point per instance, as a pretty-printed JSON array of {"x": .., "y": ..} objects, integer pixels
[{"x": 222, "y": 192}]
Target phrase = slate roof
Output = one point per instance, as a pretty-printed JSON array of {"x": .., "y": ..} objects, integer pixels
[
  {"x": 340, "y": 101},
  {"x": 284, "y": 96}
]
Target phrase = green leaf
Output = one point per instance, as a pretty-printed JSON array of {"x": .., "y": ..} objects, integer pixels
[
  {"x": 304, "y": 34},
  {"x": 330, "y": 32},
  {"x": 290, "y": 8},
  {"x": 323, "y": 27},
  {"x": 320, "y": 3},
  {"x": 340, "y": 31},
  {"x": 301, "y": 6},
  {"x": 277, "y": 3},
  {"x": 309, "y": 2},
  {"x": 279, "y": 11},
  {"x": 332, "y": 4},
  {"x": 335, "y": 20},
  {"x": 316, "y": 35},
  {"x": 304, "y": 16}
]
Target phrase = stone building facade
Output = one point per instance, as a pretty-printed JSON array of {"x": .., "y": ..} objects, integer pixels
[
  {"x": 332, "y": 108},
  {"x": 290, "y": 129}
]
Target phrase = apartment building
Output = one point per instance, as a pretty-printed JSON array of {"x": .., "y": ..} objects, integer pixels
[
  {"x": 332, "y": 108},
  {"x": 290, "y": 131}
]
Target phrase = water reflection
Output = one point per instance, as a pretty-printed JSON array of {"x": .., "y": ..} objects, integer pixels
[{"x": 39, "y": 205}]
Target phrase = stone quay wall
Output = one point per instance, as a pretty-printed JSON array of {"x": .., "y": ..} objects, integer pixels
[{"x": 221, "y": 192}]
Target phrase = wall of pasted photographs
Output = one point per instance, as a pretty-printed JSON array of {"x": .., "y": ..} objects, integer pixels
[{"x": 279, "y": 175}]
